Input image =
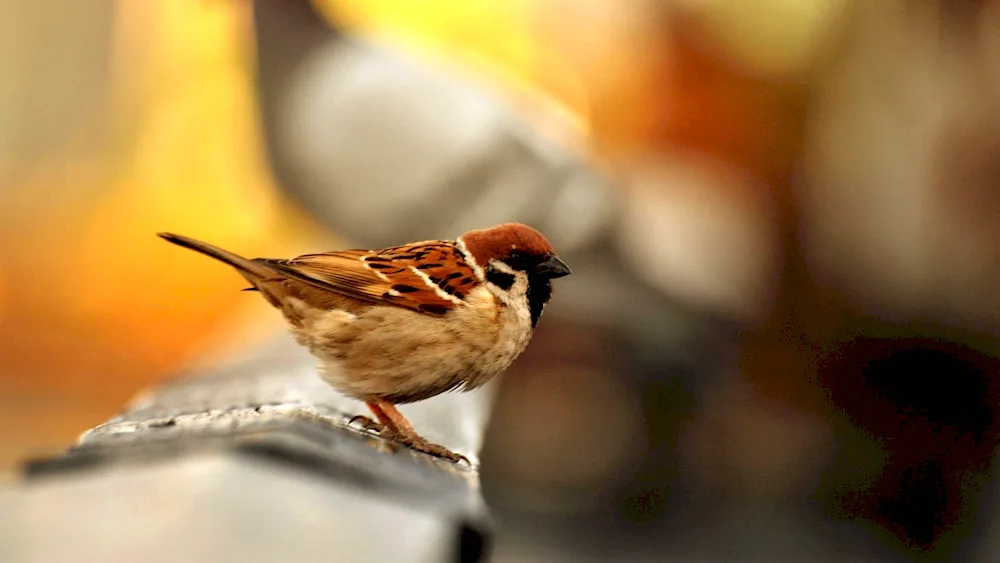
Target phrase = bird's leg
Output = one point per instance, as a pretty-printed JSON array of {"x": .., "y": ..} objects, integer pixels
[
  {"x": 396, "y": 427},
  {"x": 383, "y": 421}
]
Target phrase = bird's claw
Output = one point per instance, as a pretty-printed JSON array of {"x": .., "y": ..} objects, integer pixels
[
  {"x": 445, "y": 453},
  {"x": 367, "y": 423}
]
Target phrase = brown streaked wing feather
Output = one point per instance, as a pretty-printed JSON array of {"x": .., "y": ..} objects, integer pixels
[
  {"x": 356, "y": 274},
  {"x": 444, "y": 265}
]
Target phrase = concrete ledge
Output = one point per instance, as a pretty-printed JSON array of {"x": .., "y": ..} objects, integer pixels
[{"x": 266, "y": 434}]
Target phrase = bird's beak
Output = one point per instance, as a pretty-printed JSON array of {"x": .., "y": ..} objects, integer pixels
[{"x": 553, "y": 268}]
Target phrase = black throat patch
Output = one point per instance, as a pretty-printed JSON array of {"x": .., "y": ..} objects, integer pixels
[{"x": 539, "y": 292}]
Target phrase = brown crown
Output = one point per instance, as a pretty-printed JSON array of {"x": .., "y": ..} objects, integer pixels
[{"x": 500, "y": 241}]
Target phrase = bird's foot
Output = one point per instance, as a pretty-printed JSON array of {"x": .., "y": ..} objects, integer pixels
[
  {"x": 420, "y": 444},
  {"x": 394, "y": 427},
  {"x": 367, "y": 423}
]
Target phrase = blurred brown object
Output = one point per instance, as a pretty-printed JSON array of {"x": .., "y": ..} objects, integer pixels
[
  {"x": 568, "y": 431},
  {"x": 749, "y": 120},
  {"x": 887, "y": 311}
]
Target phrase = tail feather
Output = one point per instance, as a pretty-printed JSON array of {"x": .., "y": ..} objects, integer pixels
[{"x": 252, "y": 270}]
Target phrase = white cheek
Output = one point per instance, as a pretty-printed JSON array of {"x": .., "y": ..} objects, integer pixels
[
  {"x": 502, "y": 266},
  {"x": 520, "y": 287}
]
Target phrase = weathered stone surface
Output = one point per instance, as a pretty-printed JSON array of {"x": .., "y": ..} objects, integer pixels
[{"x": 251, "y": 462}]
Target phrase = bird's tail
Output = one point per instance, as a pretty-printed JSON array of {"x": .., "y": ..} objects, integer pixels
[{"x": 252, "y": 270}]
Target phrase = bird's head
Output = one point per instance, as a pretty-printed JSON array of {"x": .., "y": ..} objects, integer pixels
[{"x": 516, "y": 260}]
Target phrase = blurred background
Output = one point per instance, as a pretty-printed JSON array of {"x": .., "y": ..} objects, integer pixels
[{"x": 780, "y": 339}]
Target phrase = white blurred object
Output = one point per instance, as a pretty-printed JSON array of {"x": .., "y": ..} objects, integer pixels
[
  {"x": 689, "y": 232},
  {"x": 386, "y": 150},
  {"x": 211, "y": 506}
]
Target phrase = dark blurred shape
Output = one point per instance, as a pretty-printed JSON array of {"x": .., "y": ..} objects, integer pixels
[
  {"x": 473, "y": 545},
  {"x": 930, "y": 406},
  {"x": 568, "y": 429},
  {"x": 923, "y": 379},
  {"x": 886, "y": 315}
]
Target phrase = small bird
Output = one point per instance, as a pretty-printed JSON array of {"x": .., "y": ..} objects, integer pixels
[{"x": 402, "y": 324}]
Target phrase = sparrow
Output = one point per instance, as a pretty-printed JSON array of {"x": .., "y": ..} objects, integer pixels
[{"x": 402, "y": 324}]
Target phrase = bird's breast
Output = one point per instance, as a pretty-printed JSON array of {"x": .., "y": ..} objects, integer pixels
[
  {"x": 403, "y": 356},
  {"x": 511, "y": 332}
]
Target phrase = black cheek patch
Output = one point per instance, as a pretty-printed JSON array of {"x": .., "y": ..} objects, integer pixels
[
  {"x": 402, "y": 288},
  {"x": 433, "y": 309},
  {"x": 502, "y": 280}
]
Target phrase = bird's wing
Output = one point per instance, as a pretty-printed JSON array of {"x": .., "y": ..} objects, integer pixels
[{"x": 429, "y": 277}]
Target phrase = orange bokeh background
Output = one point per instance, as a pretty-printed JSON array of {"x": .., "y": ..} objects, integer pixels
[{"x": 93, "y": 307}]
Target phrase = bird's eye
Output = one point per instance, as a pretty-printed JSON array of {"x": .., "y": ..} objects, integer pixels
[{"x": 520, "y": 261}]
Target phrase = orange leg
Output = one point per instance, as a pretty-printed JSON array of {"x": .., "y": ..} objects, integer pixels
[
  {"x": 378, "y": 426},
  {"x": 390, "y": 416},
  {"x": 392, "y": 425}
]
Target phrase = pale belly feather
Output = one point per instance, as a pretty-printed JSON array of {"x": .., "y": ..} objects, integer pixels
[{"x": 403, "y": 356}]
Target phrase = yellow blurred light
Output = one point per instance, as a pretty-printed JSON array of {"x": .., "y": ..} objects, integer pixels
[
  {"x": 196, "y": 167},
  {"x": 493, "y": 29},
  {"x": 496, "y": 40},
  {"x": 606, "y": 60},
  {"x": 771, "y": 36},
  {"x": 93, "y": 282}
]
